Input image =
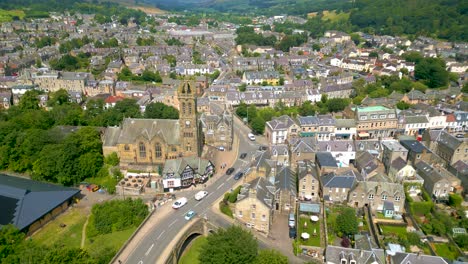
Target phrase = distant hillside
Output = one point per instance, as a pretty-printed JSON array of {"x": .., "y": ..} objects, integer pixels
[
  {"x": 437, "y": 18},
  {"x": 265, "y": 7}
]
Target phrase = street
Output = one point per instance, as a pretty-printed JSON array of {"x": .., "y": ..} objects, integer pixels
[{"x": 162, "y": 233}]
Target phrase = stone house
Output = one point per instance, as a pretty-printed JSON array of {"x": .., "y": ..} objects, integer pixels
[
  {"x": 446, "y": 146},
  {"x": 385, "y": 197},
  {"x": 281, "y": 129},
  {"x": 373, "y": 121},
  {"x": 438, "y": 182},
  {"x": 309, "y": 186},
  {"x": 217, "y": 127},
  {"x": 337, "y": 185},
  {"x": 184, "y": 172},
  {"x": 254, "y": 206},
  {"x": 401, "y": 170},
  {"x": 391, "y": 151}
]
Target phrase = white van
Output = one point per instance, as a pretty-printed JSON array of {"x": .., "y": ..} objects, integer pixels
[{"x": 251, "y": 136}]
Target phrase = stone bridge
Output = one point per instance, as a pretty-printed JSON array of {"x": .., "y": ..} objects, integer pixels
[{"x": 197, "y": 227}]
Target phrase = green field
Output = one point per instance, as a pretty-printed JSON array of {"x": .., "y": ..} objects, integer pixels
[
  {"x": 334, "y": 17},
  {"x": 190, "y": 255},
  {"x": 7, "y": 15}
]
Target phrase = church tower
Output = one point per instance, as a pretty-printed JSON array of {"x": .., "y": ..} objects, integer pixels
[{"x": 188, "y": 125}]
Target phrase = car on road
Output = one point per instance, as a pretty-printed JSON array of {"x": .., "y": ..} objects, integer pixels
[
  {"x": 243, "y": 155},
  {"x": 179, "y": 203},
  {"x": 262, "y": 148},
  {"x": 189, "y": 215},
  {"x": 238, "y": 175},
  {"x": 200, "y": 195},
  {"x": 460, "y": 136},
  {"x": 292, "y": 233},
  {"x": 251, "y": 136},
  {"x": 230, "y": 171}
]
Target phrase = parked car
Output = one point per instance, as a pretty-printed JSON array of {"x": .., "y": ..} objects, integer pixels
[
  {"x": 200, "y": 195},
  {"x": 221, "y": 148},
  {"x": 262, "y": 148},
  {"x": 292, "y": 232},
  {"x": 238, "y": 175},
  {"x": 189, "y": 215},
  {"x": 179, "y": 203},
  {"x": 243, "y": 155},
  {"x": 230, "y": 171},
  {"x": 251, "y": 136},
  {"x": 291, "y": 221}
]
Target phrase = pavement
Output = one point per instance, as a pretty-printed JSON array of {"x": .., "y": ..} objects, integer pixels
[{"x": 155, "y": 236}]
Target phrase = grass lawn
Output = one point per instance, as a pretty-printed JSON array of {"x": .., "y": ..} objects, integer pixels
[
  {"x": 70, "y": 235},
  {"x": 113, "y": 240},
  {"x": 314, "y": 240},
  {"x": 190, "y": 255},
  {"x": 334, "y": 17},
  {"x": 446, "y": 251},
  {"x": 393, "y": 230}
]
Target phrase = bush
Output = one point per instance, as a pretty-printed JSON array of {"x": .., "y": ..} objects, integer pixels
[
  {"x": 233, "y": 195},
  {"x": 462, "y": 241},
  {"x": 345, "y": 242},
  {"x": 455, "y": 200},
  {"x": 107, "y": 217},
  {"x": 225, "y": 209},
  {"x": 413, "y": 238},
  {"x": 112, "y": 159}
]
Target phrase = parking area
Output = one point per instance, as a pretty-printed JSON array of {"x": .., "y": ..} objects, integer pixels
[{"x": 280, "y": 232}]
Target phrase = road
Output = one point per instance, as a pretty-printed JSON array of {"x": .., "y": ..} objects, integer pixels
[{"x": 161, "y": 234}]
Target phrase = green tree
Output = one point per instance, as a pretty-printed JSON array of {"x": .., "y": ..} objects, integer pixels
[
  {"x": 462, "y": 241},
  {"x": 242, "y": 87},
  {"x": 432, "y": 72},
  {"x": 337, "y": 104},
  {"x": 258, "y": 125},
  {"x": 346, "y": 222},
  {"x": 58, "y": 98},
  {"x": 455, "y": 200},
  {"x": 112, "y": 159},
  {"x": 270, "y": 257},
  {"x": 161, "y": 111},
  {"x": 403, "y": 105},
  {"x": 231, "y": 246},
  {"x": 29, "y": 100},
  {"x": 413, "y": 238}
]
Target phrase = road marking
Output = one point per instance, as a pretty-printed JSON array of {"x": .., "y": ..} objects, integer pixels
[
  {"x": 173, "y": 222},
  {"x": 220, "y": 186},
  {"x": 149, "y": 249},
  {"x": 198, "y": 203},
  {"x": 160, "y": 235},
  {"x": 208, "y": 195}
]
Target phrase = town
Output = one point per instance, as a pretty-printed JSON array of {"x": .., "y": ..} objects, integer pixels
[{"x": 345, "y": 148}]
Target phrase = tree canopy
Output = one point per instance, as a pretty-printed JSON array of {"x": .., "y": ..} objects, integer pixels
[
  {"x": 346, "y": 222},
  {"x": 159, "y": 110},
  {"x": 230, "y": 246}
]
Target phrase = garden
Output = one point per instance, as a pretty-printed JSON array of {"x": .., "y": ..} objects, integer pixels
[
  {"x": 305, "y": 225},
  {"x": 342, "y": 222}
]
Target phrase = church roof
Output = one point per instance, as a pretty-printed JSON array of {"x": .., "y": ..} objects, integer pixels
[{"x": 132, "y": 128}]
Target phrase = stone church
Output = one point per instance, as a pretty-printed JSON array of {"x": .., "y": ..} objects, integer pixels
[{"x": 146, "y": 144}]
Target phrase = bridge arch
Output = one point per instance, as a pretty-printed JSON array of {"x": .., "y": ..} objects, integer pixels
[{"x": 186, "y": 243}]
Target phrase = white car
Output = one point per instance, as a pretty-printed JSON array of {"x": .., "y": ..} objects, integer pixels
[
  {"x": 251, "y": 136},
  {"x": 179, "y": 203},
  {"x": 200, "y": 195}
]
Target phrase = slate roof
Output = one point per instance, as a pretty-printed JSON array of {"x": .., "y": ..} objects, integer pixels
[
  {"x": 285, "y": 179},
  {"x": 416, "y": 120},
  {"x": 448, "y": 140},
  {"x": 334, "y": 254},
  {"x": 326, "y": 159},
  {"x": 398, "y": 164},
  {"x": 133, "y": 128},
  {"x": 366, "y": 162},
  {"x": 303, "y": 145},
  {"x": 343, "y": 180},
  {"x": 24, "y": 201},
  {"x": 264, "y": 191},
  {"x": 345, "y": 123},
  {"x": 414, "y": 146},
  {"x": 400, "y": 257},
  {"x": 281, "y": 123},
  {"x": 177, "y": 166}
]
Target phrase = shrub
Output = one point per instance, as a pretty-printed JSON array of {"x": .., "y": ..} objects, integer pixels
[
  {"x": 413, "y": 238},
  {"x": 455, "y": 200},
  {"x": 225, "y": 209},
  {"x": 345, "y": 242},
  {"x": 421, "y": 208}
]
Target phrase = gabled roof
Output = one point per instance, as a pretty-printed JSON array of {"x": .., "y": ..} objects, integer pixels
[
  {"x": 285, "y": 179},
  {"x": 335, "y": 254},
  {"x": 411, "y": 258},
  {"x": 24, "y": 201},
  {"x": 259, "y": 188},
  {"x": 326, "y": 159},
  {"x": 132, "y": 128},
  {"x": 345, "y": 179},
  {"x": 281, "y": 123},
  {"x": 398, "y": 164}
]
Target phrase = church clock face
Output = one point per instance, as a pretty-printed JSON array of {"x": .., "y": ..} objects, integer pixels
[{"x": 187, "y": 123}]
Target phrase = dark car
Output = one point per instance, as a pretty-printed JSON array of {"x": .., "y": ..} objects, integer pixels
[
  {"x": 230, "y": 171},
  {"x": 262, "y": 148},
  {"x": 238, "y": 175},
  {"x": 292, "y": 233},
  {"x": 243, "y": 155}
]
